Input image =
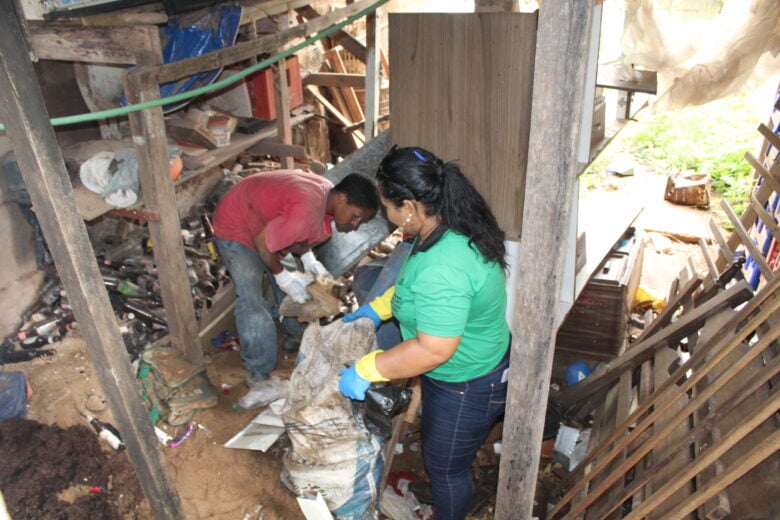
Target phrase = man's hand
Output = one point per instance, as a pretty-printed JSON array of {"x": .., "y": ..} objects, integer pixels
[
  {"x": 294, "y": 284},
  {"x": 314, "y": 266}
]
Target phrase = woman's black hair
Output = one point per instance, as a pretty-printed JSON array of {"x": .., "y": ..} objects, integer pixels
[{"x": 416, "y": 174}]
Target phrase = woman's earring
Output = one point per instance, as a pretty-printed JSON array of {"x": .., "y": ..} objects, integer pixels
[{"x": 405, "y": 223}]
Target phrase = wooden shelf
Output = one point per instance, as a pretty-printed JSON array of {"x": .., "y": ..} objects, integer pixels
[{"x": 91, "y": 206}]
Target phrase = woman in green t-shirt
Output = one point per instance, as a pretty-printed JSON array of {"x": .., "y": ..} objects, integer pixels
[{"x": 450, "y": 302}]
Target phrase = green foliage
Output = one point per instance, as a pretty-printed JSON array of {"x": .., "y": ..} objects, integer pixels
[{"x": 712, "y": 138}]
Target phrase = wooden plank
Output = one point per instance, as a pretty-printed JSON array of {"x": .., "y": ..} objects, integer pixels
[
  {"x": 439, "y": 101},
  {"x": 726, "y": 253},
  {"x": 23, "y": 111},
  {"x": 765, "y": 217},
  {"x": 334, "y": 79},
  {"x": 255, "y": 11},
  {"x": 664, "y": 359},
  {"x": 334, "y": 111},
  {"x": 739, "y": 229},
  {"x": 68, "y": 42},
  {"x": 772, "y": 179},
  {"x": 763, "y": 450},
  {"x": 769, "y": 135},
  {"x": 696, "y": 435},
  {"x": 705, "y": 251},
  {"x": 762, "y": 193},
  {"x": 758, "y": 454},
  {"x": 148, "y": 129},
  {"x": 373, "y": 77},
  {"x": 556, "y": 105},
  {"x": 281, "y": 94},
  {"x": 719, "y": 508},
  {"x": 243, "y": 51},
  {"x": 641, "y": 352},
  {"x": 340, "y": 37},
  {"x": 350, "y": 97}
]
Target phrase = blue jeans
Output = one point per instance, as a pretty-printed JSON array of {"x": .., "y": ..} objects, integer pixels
[
  {"x": 371, "y": 283},
  {"x": 456, "y": 418},
  {"x": 254, "y": 315}
]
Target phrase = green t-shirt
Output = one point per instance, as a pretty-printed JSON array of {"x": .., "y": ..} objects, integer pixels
[{"x": 447, "y": 289}]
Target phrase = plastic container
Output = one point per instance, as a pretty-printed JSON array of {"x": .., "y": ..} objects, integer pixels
[{"x": 219, "y": 128}]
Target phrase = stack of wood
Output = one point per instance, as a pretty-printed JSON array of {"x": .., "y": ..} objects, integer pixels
[{"x": 685, "y": 421}]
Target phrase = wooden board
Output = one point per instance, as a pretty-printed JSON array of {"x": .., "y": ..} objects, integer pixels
[{"x": 467, "y": 97}]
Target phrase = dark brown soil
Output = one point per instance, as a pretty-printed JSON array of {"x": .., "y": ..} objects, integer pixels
[{"x": 48, "y": 471}]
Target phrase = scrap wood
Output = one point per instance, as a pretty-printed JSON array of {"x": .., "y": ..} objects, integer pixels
[
  {"x": 643, "y": 351},
  {"x": 742, "y": 326},
  {"x": 694, "y": 435}
]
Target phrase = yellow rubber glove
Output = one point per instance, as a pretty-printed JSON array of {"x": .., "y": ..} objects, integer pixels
[
  {"x": 366, "y": 367},
  {"x": 382, "y": 305}
]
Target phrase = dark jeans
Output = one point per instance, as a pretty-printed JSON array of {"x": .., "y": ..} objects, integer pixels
[
  {"x": 254, "y": 315},
  {"x": 456, "y": 418}
]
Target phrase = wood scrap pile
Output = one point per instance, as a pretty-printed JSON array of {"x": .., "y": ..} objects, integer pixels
[{"x": 685, "y": 422}]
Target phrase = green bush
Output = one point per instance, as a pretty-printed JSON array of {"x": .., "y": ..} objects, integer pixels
[{"x": 712, "y": 137}]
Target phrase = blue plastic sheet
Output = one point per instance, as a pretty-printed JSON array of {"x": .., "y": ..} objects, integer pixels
[{"x": 186, "y": 37}]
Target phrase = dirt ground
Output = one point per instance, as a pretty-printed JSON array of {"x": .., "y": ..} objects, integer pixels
[{"x": 214, "y": 481}]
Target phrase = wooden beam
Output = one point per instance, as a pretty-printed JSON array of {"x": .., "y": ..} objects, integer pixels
[
  {"x": 333, "y": 79},
  {"x": 243, "y": 51},
  {"x": 340, "y": 37},
  {"x": 282, "y": 97},
  {"x": 148, "y": 129},
  {"x": 27, "y": 123},
  {"x": 373, "y": 78},
  {"x": 561, "y": 52},
  {"x": 68, "y": 42},
  {"x": 261, "y": 10},
  {"x": 758, "y": 257}
]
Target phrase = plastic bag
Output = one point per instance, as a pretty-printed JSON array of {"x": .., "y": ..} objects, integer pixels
[{"x": 332, "y": 450}]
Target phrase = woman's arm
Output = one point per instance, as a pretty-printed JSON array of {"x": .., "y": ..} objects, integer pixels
[{"x": 416, "y": 356}]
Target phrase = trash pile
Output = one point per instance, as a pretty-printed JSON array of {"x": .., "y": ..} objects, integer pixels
[{"x": 130, "y": 277}]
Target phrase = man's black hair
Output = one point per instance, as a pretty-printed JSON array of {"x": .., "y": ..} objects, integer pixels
[{"x": 360, "y": 191}]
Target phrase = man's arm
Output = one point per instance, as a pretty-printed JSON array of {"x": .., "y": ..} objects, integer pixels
[{"x": 270, "y": 258}]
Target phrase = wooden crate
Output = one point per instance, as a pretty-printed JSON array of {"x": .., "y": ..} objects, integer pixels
[{"x": 597, "y": 322}]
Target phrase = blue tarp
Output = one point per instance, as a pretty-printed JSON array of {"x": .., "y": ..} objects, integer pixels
[{"x": 186, "y": 37}]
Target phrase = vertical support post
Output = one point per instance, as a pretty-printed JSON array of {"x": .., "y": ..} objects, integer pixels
[
  {"x": 148, "y": 129},
  {"x": 23, "y": 112},
  {"x": 283, "y": 123},
  {"x": 373, "y": 78},
  {"x": 559, "y": 76}
]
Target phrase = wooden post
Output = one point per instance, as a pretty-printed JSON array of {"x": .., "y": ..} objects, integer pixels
[
  {"x": 283, "y": 126},
  {"x": 148, "y": 129},
  {"x": 558, "y": 88},
  {"x": 23, "y": 112},
  {"x": 373, "y": 80}
]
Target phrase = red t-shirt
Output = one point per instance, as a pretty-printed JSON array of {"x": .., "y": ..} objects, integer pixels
[{"x": 288, "y": 204}]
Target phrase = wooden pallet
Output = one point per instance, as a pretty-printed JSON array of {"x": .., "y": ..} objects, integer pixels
[{"x": 696, "y": 426}]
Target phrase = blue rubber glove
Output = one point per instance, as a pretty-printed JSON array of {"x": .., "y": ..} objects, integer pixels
[
  {"x": 364, "y": 311},
  {"x": 352, "y": 385}
]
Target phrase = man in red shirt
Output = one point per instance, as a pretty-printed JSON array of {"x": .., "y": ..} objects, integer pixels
[{"x": 259, "y": 221}]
